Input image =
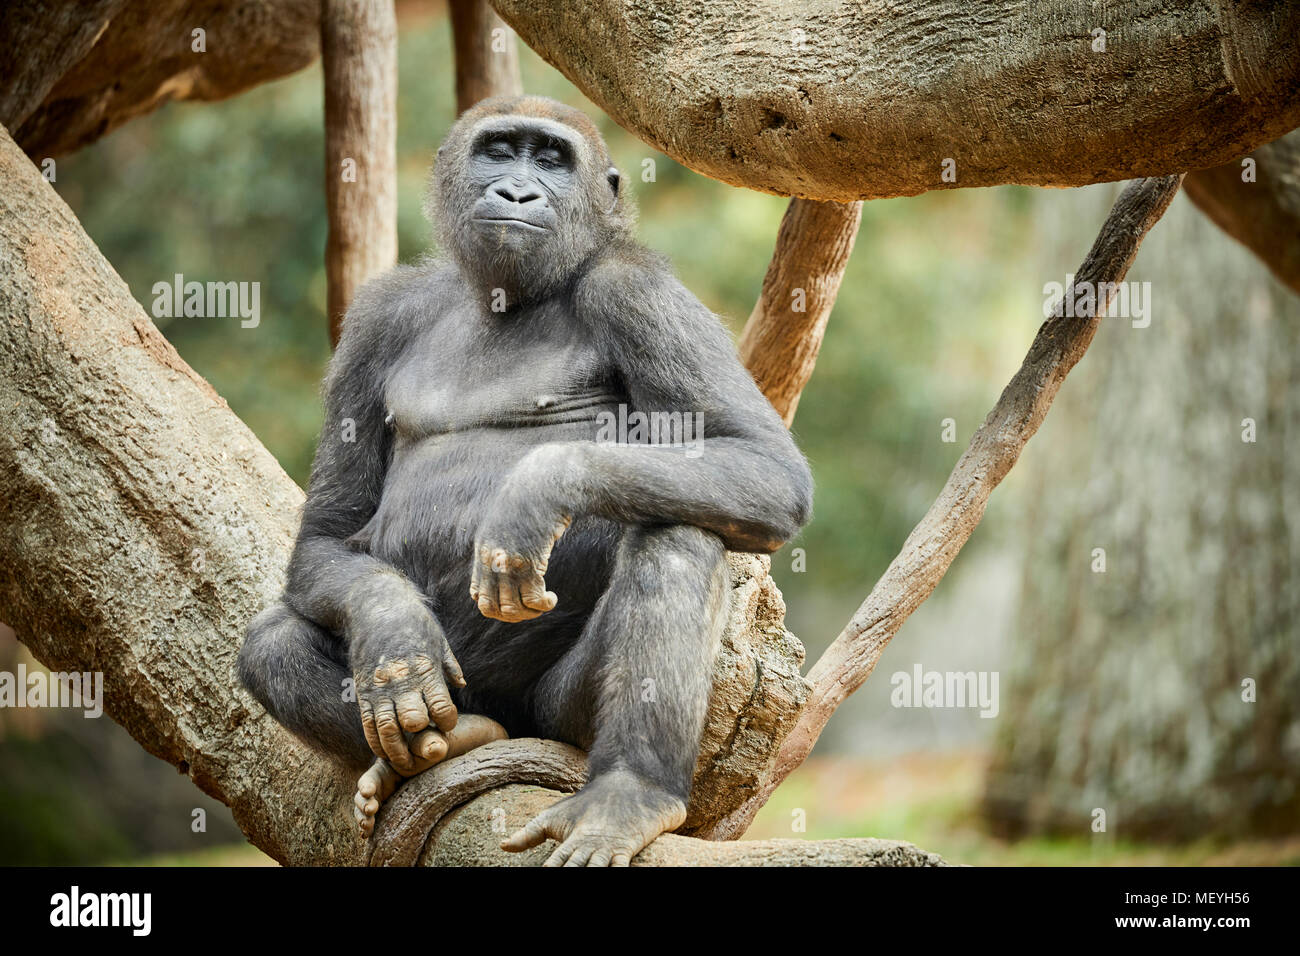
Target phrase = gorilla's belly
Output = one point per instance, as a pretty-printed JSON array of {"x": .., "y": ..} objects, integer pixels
[{"x": 440, "y": 487}]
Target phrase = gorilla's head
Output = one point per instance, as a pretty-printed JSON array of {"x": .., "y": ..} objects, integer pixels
[{"x": 523, "y": 193}]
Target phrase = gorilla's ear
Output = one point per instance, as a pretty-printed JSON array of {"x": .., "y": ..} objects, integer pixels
[{"x": 613, "y": 178}]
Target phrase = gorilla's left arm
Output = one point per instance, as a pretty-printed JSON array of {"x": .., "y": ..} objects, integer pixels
[{"x": 749, "y": 484}]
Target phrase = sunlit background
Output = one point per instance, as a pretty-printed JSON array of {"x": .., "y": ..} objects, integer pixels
[{"x": 1119, "y": 689}]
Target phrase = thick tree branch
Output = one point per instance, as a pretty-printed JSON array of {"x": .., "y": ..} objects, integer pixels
[
  {"x": 940, "y": 535},
  {"x": 359, "y": 54},
  {"x": 44, "y": 41},
  {"x": 1261, "y": 212},
  {"x": 487, "y": 54},
  {"x": 843, "y": 101},
  {"x": 784, "y": 333}
]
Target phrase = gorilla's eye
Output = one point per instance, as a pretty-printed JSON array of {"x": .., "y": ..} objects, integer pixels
[
  {"x": 498, "y": 149},
  {"x": 550, "y": 159}
]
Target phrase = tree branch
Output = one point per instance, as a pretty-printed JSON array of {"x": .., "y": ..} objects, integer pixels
[
  {"x": 784, "y": 333},
  {"x": 482, "y": 71},
  {"x": 359, "y": 55},
  {"x": 844, "y": 101},
  {"x": 1263, "y": 214},
  {"x": 940, "y": 535}
]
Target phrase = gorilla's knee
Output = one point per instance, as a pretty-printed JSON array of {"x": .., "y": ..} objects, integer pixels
[{"x": 265, "y": 647}]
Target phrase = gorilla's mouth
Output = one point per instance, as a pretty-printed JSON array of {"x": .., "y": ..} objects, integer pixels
[{"x": 508, "y": 221}]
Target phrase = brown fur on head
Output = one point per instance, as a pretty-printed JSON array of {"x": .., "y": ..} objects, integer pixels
[{"x": 596, "y": 216}]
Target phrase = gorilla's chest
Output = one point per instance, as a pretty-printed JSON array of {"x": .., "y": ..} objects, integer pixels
[{"x": 466, "y": 377}]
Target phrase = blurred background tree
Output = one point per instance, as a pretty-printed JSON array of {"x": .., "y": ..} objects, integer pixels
[{"x": 940, "y": 301}]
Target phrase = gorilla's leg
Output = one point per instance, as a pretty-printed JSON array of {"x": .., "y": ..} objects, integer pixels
[
  {"x": 634, "y": 691},
  {"x": 298, "y": 671}
]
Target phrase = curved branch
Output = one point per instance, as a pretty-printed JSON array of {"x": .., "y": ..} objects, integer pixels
[
  {"x": 780, "y": 342},
  {"x": 940, "y": 535},
  {"x": 406, "y": 821},
  {"x": 843, "y": 101}
]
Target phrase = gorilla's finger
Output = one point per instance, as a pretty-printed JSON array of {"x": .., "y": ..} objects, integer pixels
[
  {"x": 600, "y": 858},
  {"x": 412, "y": 713},
  {"x": 621, "y": 859},
  {"x": 429, "y": 745},
  {"x": 368, "y": 726},
  {"x": 530, "y": 835},
  {"x": 391, "y": 737},
  {"x": 438, "y": 702},
  {"x": 560, "y": 856},
  {"x": 580, "y": 857},
  {"x": 451, "y": 667},
  {"x": 532, "y": 591}
]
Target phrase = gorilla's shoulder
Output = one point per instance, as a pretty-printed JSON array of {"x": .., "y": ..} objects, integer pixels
[
  {"x": 623, "y": 277},
  {"x": 395, "y": 303}
]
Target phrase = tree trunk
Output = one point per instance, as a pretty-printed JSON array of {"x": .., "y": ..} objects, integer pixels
[
  {"x": 142, "y": 526},
  {"x": 1128, "y": 691}
]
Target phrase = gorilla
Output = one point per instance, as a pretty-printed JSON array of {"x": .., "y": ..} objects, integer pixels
[{"x": 477, "y": 555}]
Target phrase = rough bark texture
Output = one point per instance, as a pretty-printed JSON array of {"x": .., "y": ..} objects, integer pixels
[
  {"x": 359, "y": 55},
  {"x": 784, "y": 333},
  {"x": 842, "y": 101},
  {"x": 1263, "y": 215},
  {"x": 145, "y": 57},
  {"x": 1127, "y": 691},
  {"x": 482, "y": 71},
  {"x": 142, "y": 525},
  {"x": 940, "y": 535}
]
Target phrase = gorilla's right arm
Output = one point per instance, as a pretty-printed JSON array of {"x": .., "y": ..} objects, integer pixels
[{"x": 396, "y": 648}]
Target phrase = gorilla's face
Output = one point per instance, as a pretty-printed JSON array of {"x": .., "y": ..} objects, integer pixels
[
  {"x": 525, "y": 175},
  {"x": 524, "y": 201}
]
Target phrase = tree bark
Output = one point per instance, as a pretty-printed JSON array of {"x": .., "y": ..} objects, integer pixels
[
  {"x": 1263, "y": 214},
  {"x": 933, "y": 544},
  {"x": 146, "y": 57},
  {"x": 359, "y": 54},
  {"x": 780, "y": 342},
  {"x": 481, "y": 70},
  {"x": 845, "y": 101},
  {"x": 142, "y": 526}
]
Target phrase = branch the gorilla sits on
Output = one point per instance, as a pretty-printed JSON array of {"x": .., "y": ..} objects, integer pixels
[{"x": 469, "y": 553}]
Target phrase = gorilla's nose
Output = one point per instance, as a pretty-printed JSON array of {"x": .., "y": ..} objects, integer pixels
[{"x": 519, "y": 194}]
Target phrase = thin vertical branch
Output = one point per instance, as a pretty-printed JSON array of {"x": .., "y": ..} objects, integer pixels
[
  {"x": 359, "y": 54},
  {"x": 487, "y": 54},
  {"x": 784, "y": 333}
]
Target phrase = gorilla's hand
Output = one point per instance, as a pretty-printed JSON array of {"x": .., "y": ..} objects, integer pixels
[
  {"x": 511, "y": 553},
  {"x": 402, "y": 666}
]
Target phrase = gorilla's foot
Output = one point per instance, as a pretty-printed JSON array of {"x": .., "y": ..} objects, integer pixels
[
  {"x": 606, "y": 823},
  {"x": 428, "y": 747}
]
